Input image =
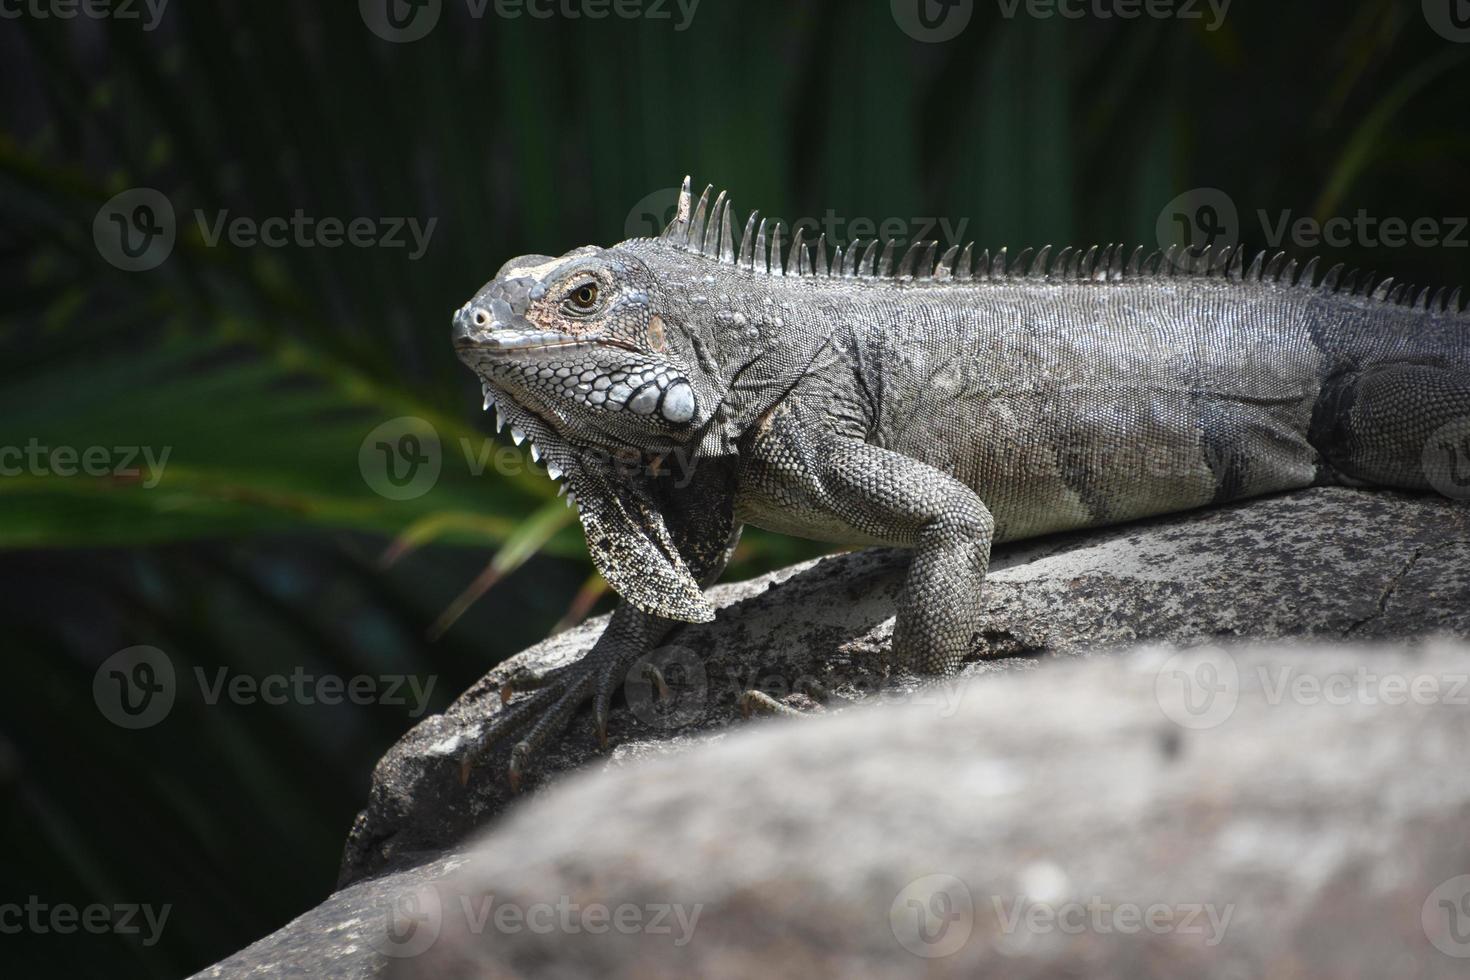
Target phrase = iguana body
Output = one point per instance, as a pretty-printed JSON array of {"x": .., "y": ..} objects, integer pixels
[{"x": 939, "y": 407}]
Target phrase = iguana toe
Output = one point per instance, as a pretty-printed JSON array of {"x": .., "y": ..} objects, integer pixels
[
  {"x": 759, "y": 701},
  {"x": 512, "y": 719}
]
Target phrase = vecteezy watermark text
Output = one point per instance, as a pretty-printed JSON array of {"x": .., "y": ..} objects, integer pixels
[
  {"x": 304, "y": 231},
  {"x": 120, "y": 462},
  {"x": 150, "y": 12},
  {"x": 137, "y": 229},
  {"x": 1200, "y": 689},
  {"x": 1212, "y": 12},
  {"x": 1208, "y": 216},
  {"x": 63, "y": 919},
  {"x": 934, "y": 916},
  {"x": 1365, "y": 230},
  {"x": 653, "y": 212},
  {"x": 1096, "y": 915},
  {"x": 405, "y": 21},
  {"x": 414, "y": 919},
  {"x": 301, "y": 687}
]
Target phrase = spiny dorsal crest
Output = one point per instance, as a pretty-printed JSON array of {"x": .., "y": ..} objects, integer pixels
[{"x": 708, "y": 230}]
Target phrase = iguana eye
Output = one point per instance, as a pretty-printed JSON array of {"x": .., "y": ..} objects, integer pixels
[{"x": 583, "y": 299}]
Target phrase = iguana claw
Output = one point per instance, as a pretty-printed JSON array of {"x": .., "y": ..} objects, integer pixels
[
  {"x": 656, "y": 677},
  {"x": 559, "y": 694}
]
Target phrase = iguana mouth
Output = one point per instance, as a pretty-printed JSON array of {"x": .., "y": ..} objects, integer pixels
[
  {"x": 542, "y": 340},
  {"x": 498, "y": 330},
  {"x": 493, "y": 337}
]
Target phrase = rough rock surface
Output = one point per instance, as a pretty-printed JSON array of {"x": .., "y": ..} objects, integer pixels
[
  {"x": 1329, "y": 829},
  {"x": 1237, "y": 813},
  {"x": 1331, "y": 563},
  {"x": 1026, "y": 835},
  {"x": 347, "y": 937}
]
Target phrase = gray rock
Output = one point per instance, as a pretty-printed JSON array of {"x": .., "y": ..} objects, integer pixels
[
  {"x": 344, "y": 938},
  {"x": 1324, "y": 831},
  {"x": 1332, "y": 563},
  {"x": 1225, "y": 812},
  {"x": 1088, "y": 819}
]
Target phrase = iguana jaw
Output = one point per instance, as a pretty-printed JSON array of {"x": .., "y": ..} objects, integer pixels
[
  {"x": 507, "y": 342},
  {"x": 626, "y": 536},
  {"x": 480, "y": 332}
]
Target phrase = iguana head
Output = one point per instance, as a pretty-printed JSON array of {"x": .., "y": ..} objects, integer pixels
[
  {"x": 578, "y": 344},
  {"x": 576, "y": 354}
]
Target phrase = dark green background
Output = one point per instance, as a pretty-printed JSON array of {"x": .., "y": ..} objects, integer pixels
[{"x": 264, "y": 369}]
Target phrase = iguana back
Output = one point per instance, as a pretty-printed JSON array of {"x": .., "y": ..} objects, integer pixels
[{"x": 1078, "y": 390}]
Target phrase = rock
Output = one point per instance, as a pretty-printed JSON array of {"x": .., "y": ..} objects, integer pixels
[
  {"x": 342, "y": 938},
  {"x": 1224, "y": 812},
  {"x": 1309, "y": 825},
  {"x": 1328, "y": 562}
]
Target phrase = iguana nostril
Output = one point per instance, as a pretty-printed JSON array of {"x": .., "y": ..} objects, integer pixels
[
  {"x": 462, "y": 333},
  {"x": 482, "y": 319}
]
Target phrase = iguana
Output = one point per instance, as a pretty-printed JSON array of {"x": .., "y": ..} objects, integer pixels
[{"x": 954, "y": 402}]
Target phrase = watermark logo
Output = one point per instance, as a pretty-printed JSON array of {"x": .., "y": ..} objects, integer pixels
[
  {"x": 933, "y": 916},
  {"x": 1449, "y": 18},
  {"x": 652, "y": 214},
  {"x": 1447, "y": 459},
  {"x": 150, "y": 12},
  {"x": 1446, "y": 917},
  {"x": 1204, "y": 217},
  {"x": 135, "y": 230},
  {"x": 411, "y": 921},
  {"x": 401, "y": 458},
  {"x": 932, "y": 21},
  {"x": 1198, "y": 689},
  {"x": 400, "y": 21},
  {"x": 135, "y": 688},
  {"x": 668, "y": 688}
]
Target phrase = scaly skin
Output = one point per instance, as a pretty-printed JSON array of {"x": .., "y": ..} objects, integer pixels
[{"x": 941, "y": 408}]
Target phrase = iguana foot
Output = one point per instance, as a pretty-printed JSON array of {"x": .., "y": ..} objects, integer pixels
[
  {"x": 559, "y": 693},
  {"x": 539, "y": 716}
]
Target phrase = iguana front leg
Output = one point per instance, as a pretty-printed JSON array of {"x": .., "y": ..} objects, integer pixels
[
  {"x": 698, "y": 514},
  {"x": 826, "y": 485}
]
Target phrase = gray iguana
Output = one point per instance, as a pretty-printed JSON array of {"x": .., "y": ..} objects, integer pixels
[{"x": 951, "y": 403}]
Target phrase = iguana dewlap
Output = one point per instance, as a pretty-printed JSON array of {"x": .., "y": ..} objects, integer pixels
[{"x": 954, "y": 402}]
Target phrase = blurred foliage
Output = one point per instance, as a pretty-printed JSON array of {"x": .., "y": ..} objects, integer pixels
[{"x": 263, "y": 370}]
